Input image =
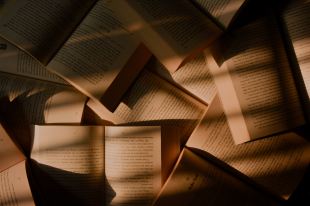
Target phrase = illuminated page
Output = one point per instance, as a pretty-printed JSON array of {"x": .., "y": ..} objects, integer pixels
[
  {"x": 151, "y": 101},
  {"x": 73, "y": 156},
  {"x": 255, "y": 83},
  {"x": 278, "y": 163},
  {"x": 41, "y": 27},
  {"x": 100, "y": 56},
  {"x": 9, "y": 152},
  {"x": 222, "y": 10},
  {"x": 16, "y": 61},
  {"x": 193, "y": 77},
  {"x": 296, "y": 18},
  {"x": 196, "y": 181},
  {"x": 14, "y": 186},
  {"x": 65, "y": 107},
  {"x": 174, "y": 31},
  {"x": 133, "y": 164},
  {"x": 41, "y": 101}
]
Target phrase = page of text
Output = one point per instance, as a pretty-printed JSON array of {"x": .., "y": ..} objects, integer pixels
[
  {"x": 296, "y": 18},
  {"x": 9, "y": 152},
  {"x": 65, "y": 107},
  {"x": 194, "y": 77},
  {"x": 222, "y": 10},
  {"x": 152, "y": 101},
  {"x": 39, "y": 101},
  {"x": 95, "y": 54},
  {"x": 14, "y": 186},
  {"x": 278, "y": 162},
  {"x": 133, "y": 164},
  {"x": 41, "y": 27},
  {"x": 15, "y": 61},
  {"x": 74, "y": 157},
  {"x": 262, "y": 81},
  {"x": 198, "y": 182},
  {"x": 172, "y": 30}
]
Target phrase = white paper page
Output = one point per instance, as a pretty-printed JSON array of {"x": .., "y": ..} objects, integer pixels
[
  {"x": 10, "y": 154},
  {"x": 198, "y": 182},
  {"x": 65, "y": 107},
  {"x": 278, "y": 163},
  {"x": 222, "y": 10},
  {"x": 261, "y": 80},
  {"x": 42, "y": 102},
  {"x": 15, "y": 61},
  {"x": 14, "y": 186},
  {"x": 194, "y": 76},
  {"x": 173, "y": 30},
  {"x": 296, "y": 17},
  {"x": 76, "y": 155},
  {"x": 41, "y": 27},
  {"x": 154, "y": 101},
  {"x": 95, "y": 54},
  {"x": 133, "y": 164}
]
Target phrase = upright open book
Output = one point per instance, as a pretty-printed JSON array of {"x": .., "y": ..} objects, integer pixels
[
  {"x": 81, "y": 41},
  {"x": 83, "y": 165}
]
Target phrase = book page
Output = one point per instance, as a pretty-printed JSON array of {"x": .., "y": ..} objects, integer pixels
[
  {"x": 153, "y": 101},
  {"x": 39, "y": 101},
  {"x": 10, "y": 154},
  {"x": 196, "y": 181},
  {"x": 73, "y": 156},
  {"x": 16, "y": 61},
  {"x": 222, "y": 10},
  {"x": 193, "y": 77},
  {"x": 278, "y": 163},
  {"x": 14, "y": 186},
  {"x": 296, "y": 18},
  {"x": 65, "y": 107},
  {"x": 174, "y": 31},
  {"x": 262, "y": 89},
  {"x": 41, "y": 27},
  {"x": 133, "y": 164},
  {"x": 94, "y": 56}
]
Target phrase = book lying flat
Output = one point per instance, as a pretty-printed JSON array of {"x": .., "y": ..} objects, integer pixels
[
  {"x": 83, "y": 42},
  {"x": 255, "y": 81},
  {"x": 87, "y": 165},
  {"x": 277, "y": 163}
]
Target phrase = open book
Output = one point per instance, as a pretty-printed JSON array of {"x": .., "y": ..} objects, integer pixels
[
  {"x": 153, "y": 101},
  {"x": 255, "y": 81},
  {"x": 174, "y": 30},
  {"x": 198, "y": 181},
  {"x": 83, "y": 42},
  {"x": 277, "y": 163},
  {"x": 87, "y": 165}
]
